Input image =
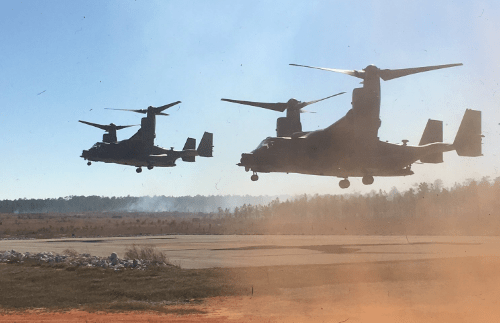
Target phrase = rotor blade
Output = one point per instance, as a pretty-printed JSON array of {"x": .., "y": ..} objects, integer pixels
[
  {"x": 306, "y": 111},
  {"x": 270, "y": 106},
  {"x": 100, "y": 126},
  {"x": 122, "y": 127},
  {"x": 162, "y": 114},
  {"x": 164, "y": 107},
  {"x": 106, "y": 127},
  {"x": 359, "y": 74},
  {"x": 392, "y": 74},
  {"x": 331, "y": 96},
  {"x": 138, "y": 111}
]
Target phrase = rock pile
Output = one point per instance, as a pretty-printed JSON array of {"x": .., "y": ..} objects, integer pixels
[{"x": 78, "y": 260}]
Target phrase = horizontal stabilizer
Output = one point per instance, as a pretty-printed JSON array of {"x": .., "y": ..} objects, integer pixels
[
  {"x": 205, "y": 149},
  {"x": 433, "y": 133},
  {"x": 468, "y": 139}
]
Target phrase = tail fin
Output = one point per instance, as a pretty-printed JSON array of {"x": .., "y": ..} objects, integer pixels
[
  {"x": 468, "y": 139},
  {"x": 433, "y": 133},
  {"x": 190, "y": 144},
  {"x": 205, "y": 148}
]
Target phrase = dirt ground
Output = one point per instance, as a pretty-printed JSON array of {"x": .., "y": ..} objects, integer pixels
[{"x": 460, "y": 289}]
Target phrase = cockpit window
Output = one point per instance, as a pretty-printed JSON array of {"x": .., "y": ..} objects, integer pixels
[
  {"x": 99, "y": 145},
  {"x": 265, "y": 143}
]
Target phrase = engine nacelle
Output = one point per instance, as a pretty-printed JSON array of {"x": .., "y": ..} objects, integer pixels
[
  {"x": 107, "y": 137},
  {"x": 286, "y": 127},
  {"x": 147, "y": 127}
]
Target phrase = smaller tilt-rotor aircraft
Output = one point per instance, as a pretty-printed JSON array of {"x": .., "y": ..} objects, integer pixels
[
  {"x": 350, "y": 147},
  {"x": 139, "y": 150}
]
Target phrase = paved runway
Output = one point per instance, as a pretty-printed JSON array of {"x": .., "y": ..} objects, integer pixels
[{"x": 206, "y": 251}]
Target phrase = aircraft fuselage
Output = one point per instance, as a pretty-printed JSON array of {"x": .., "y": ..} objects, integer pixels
[
  {"x": 128, "y": 153},
  {"x": 310, "y": 154}
]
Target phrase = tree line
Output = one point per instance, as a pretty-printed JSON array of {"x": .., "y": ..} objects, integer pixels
[
  {"x": 471, "y": 208},
  {"x": 73, "y": 204}
]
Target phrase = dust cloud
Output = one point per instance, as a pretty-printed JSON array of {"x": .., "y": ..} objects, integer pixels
[
  {"x": 442, "y": 286},
  {"x": 437, "y": 290}
]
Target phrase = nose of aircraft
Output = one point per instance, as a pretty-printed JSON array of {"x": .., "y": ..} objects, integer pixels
[
  {"x": 85, "y": 154},
  {"x": 247, "y": 159}
]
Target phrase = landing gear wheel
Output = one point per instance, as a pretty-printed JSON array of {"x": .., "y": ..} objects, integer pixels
[
  {"x": 138, "y": 170},
  {"x": 344, "y": 183},
  {"x": 150, "y": 167},
  {"x": 254, "y": 177},
  {"x": 367, "y": 180},
  {"x": 89, "y": 163}
]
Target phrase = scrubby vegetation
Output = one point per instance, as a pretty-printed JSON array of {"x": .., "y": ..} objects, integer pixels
[
  {"x": 37, "y": 285},
  {"x": 101, "y": 224},
  {"x": 146, "y": 253}
]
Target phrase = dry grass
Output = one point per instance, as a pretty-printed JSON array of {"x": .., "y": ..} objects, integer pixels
[
  {"x": 146, "y": 252},
  {"x": 52, "y": 225},
  {"x": 29, "y": 286},
  {"x": 70, "y": 252}
]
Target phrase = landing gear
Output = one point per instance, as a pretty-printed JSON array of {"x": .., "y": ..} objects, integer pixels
[
  {"x": 254, "y": 177},
  {"x": 138, "y": 170},
  {"x": 150, "y": 167},
  {"x": 89, "y": 163},
  {"x": 344, "y": 183},
  {"x": 367, "y": 180}
]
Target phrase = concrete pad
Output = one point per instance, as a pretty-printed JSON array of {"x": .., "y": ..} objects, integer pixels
[{"x": 207, "y": 251}]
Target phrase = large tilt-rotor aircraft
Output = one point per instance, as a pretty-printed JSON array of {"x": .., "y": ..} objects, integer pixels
[
  {"x": 350, "y": 147},
  {"x": 139, "y": 150}
]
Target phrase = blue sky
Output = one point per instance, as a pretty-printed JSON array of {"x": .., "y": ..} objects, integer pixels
[{"x": 89, "y": 55}]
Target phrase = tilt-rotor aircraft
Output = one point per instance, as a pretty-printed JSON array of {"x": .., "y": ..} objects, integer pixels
[
  {"x": 350, "y": 147},
  {"x": 139, "y": 150}
]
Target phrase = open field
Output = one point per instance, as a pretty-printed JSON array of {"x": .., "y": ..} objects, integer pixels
[{"x": 314, "y": 278}]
